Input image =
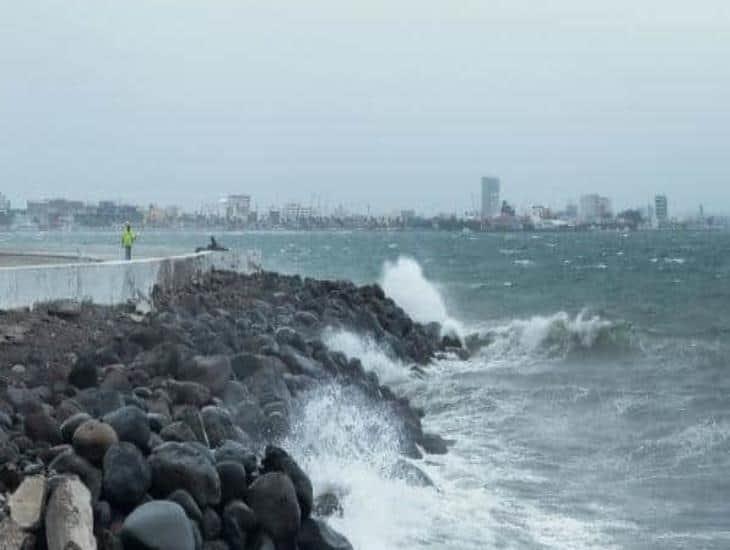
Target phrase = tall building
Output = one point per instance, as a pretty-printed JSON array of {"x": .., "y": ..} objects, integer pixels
[
  {"x": 491, "y": 206},
  {"x": 661, "y": 209},
  {"x": 4, "y": 204},
  {"x": 238, "y": 208}
]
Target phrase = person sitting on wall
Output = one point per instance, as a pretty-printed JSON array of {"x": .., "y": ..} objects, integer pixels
[
  {"x": 128, "y": 238},
  {"x": 213, "y": 247}
]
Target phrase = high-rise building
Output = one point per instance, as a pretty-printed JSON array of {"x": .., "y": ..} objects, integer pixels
[
  {"x": 238, "y": 208},
  {"x": 4, "y": 204},
  {"x": 661, "y": 209},
  {"x": 491, "y": 206},
  {"x": 594, "y": 208}
]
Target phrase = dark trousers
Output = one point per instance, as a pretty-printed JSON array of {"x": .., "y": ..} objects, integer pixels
[{"x": 127, "y": 253}]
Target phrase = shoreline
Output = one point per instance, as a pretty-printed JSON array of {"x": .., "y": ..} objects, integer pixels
[{"x": 210, "y": 378}]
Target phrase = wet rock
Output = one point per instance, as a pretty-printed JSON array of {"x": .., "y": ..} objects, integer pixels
[
  {"x": 131, "y": 425},
  {"x": 434, "y": 444},
  {"x": 212, "y": 525},
  {"x": 71, "y": 463},
  {"x": 65, "y": 309},
  {"x": 239, "y": 521},
  {"x": 275, "y": 402},
  {"x": 232, "y": 451},
  {"x": 247, "y": 364},
  {"x": 84, "y": 373},
  {"x": 216, "y": 545},
  {"x": 98, "y": 402},
  {"x": 300, "y": 364},
  {"x": 233, "y": 481},
  {"x": 273, "y": 499},
  {"x": 191, "y": 416},
  {"x": 102, "y": 516},
  {"x": 188, "y": 393},
  {"x": 327, "y": 505},
  {"x": 27, "y": 503},
  {"x": 158, "y": 421},
  {"x": 187, "y": 503},
  {"x": 71, "y": 424},
  {"x": 218, "y": 425},
  {"x": 178, "y": 432},
  {"x": 278, "y": 460},
  {"x": 92, "y": 440},
  {"x": 411, "y": 474},
  {"x": 214, "y": 372},
  {"x": 116, "y": 379},
  {"x": 262, "y": 542},
  {"x": 185, "y": 466},
  {"x": 158, "y": 525},
  {"x": 127, "y": 476},
  {"x": 109, "y": 541},
  {"x": 317, "y": 535},
  {"x": 40, "y": 426},
  {"x": 69, "y": 517}
]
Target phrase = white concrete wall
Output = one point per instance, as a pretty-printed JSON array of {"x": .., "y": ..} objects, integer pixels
[{"x": 111, "y": 283}]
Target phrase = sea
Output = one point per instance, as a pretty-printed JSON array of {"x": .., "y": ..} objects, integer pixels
[{"x": 594, "y": 413}]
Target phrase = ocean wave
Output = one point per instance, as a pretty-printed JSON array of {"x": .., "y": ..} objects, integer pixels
[{"x": 559, "y": 335}]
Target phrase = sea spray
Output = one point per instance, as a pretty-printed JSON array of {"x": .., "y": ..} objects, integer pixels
[{"x": 405, "y": 282}]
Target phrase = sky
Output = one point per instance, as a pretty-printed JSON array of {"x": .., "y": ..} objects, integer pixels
[{"x": 370, "y": 103}]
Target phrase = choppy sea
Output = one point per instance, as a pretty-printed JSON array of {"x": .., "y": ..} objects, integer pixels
[{"x": 596, "y": 413}]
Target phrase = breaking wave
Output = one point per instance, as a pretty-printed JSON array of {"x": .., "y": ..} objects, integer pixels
[{"x": 560, "y": 335}]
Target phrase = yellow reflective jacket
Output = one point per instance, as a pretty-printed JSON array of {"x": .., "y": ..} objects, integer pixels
[{"x": 128, "y": 238}]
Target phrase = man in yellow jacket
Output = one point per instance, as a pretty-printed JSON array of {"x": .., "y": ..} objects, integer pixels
[{"x": 128, "y": 238}]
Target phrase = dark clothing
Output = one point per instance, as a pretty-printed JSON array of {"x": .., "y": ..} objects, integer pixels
[{"x": 127, "y": 253}]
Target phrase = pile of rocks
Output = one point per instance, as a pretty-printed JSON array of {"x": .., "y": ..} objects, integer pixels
[{"x": 163, "y": 435}]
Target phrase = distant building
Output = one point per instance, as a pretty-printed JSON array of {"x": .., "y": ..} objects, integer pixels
[
  {"x": 661, "y": 209},
  {"x": 491, "y": 206},
  {"x": 4, "y": 204},
  {"x": 594, "y": 208},
  {"x": 238, "y": 208}
]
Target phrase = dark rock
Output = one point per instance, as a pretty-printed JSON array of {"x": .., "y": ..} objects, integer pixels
[
  {"x": 275, "y": 402},
  {"x": 273, "y": 499},
  {"x": 301, "y": 364},
  {"x": 191, "y": 416},
  {"x": 239, "y": 521},
  {"x": 216, "y": 545},
  {"x": 65, "y": 309},
  {"x": 39, "y": 426},
  {"x": 188, "y": 393},
  {"x": 185, "y": 466},
  {"x": 131, "y": 425},
  {"x": 162, "y": 360},
  {"x": 158, "y": 421},
  {"x": 127, "y": 476},
  {"x": 98, "y": 402},
  {"x": 411, "y": 474},
  {"x": 247, "y": 364},
  {"x": 232, "y": 451},
  {"x": 116, "y": 379},
  {"x": 158, "y": 525},
  {"x": 249, "y": 416},
  {"x": 84, "y": 373},
  {"x": 102, "y": 515},
  {"x": 154, "y": 442},
  {"x": 106, "y": 540},
  {"x": 71, "y": 463},
  {"x": 187, "y": 502},
  {"x": 92, "y": 440},
  {"x": 317, "y": 535},
  {"x": 277, "y": 460},
  {"x": 262, "y": 542},
  {"x": 70, "y": 425},
  {"x": 212, "y": 525},
  {"x": 214, "y": 372},
  {"x": 218, "y": 425},
  {"x": 434, "y": 444},
  {"x": 178, "y": 432},
  {"x": 234, "y": 481},
  {"x": 287, "y": 336}
]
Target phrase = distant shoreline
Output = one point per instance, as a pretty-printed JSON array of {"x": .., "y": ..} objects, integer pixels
[{"x": 15, "y": 259}]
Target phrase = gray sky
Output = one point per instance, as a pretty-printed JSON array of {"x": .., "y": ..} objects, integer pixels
[{"x": 379, "y": 102}]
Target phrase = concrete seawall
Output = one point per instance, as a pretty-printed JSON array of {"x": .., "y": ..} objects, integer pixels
[{"x": 111, "y": 283}]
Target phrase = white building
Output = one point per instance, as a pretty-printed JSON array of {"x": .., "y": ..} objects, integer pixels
[
  {"x": 661, "y": 209},
  {"x": 4, "y": 204},
  {"x": 238, "y": 208},
  {"x": 594, "y": 208}
]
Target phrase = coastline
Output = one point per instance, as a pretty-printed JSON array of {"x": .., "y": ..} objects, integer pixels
[{"x": 211, "y": 377}]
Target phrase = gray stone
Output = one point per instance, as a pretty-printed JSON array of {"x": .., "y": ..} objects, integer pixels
[
  {"x": 185, "y": 466},
  {"x": 317, "y": 535},
  {"x": 92, "y": 440},
  {"x": 218, "y": 425},
  {"x": 131, "y": 425},
  {"x": 127, "y": 476},
  {"x": 28, "y": 502},
  {"x": 70, "y": 463},
  {"x": 12, "y": 537},
  {"x": 188, "y": 393},
  {"x": 71, "y": 424},
  {"x": 213, "y": 371},
  {"x": 278, "y": 460},
  {"x": 178, "y": 432},
  {"x": 70, "y": 517},
  {"x": 158, "y": 525},
  {"x": 273, "y": 499}
]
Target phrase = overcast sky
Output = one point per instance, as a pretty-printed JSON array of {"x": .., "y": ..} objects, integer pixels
[{"x": 381, "y": 102}]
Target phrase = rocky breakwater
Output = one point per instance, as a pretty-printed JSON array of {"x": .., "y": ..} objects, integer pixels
[{"x": 123, "y": 431}]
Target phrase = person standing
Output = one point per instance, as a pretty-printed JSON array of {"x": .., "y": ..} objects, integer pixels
[{"x": 128, "y": 238}]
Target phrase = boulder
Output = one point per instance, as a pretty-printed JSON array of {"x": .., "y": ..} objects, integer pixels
[
  {"x": 212, "y": 525},
  {"x": 232, "y": 451},
  {"x": 70, "y": 517},
  {"x": 214, "y": 372},
  {"x": 84, "y": 374},
  {"x": 40, "y": 426},
  {"x": 92, "y": 440},
  {"x": 275, "y": 402},
  {"x": 434, "y": 444},
  {"x": 178, "y": 432},
  {"x": 98, "y": 402},
  {"x": 127, "y": 476},
  {"x": 12, "y": 537},
  {"x": 233, "y": 481},
  {"x": 28, "y": 502},
  {"x": 188, "y": 393},
  {"x": 299, "y": 363},
  {"x": 239, "y": 522},
  {"x": 131, "y": 425},
  {"x": 277, "y": 460},
  {"x": 69, "y": 462},
  {"x": 187, "y": 503},
  {"x": 158, "y": 525},
  {"x": 317, "y": 535},
  {"x": 186, "y": 466},
  {"x": 327, "y": 505},
  {"x": 71, "y": 424},
  {"x": 218, "y": 425},
  {"x": 411, "y": 474},
  {"x": 157, "y": 422},
  {"x": 247, "y": 364},
  {"x": 273, "y": 499},
  {"x": 191, "y": 416}
]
